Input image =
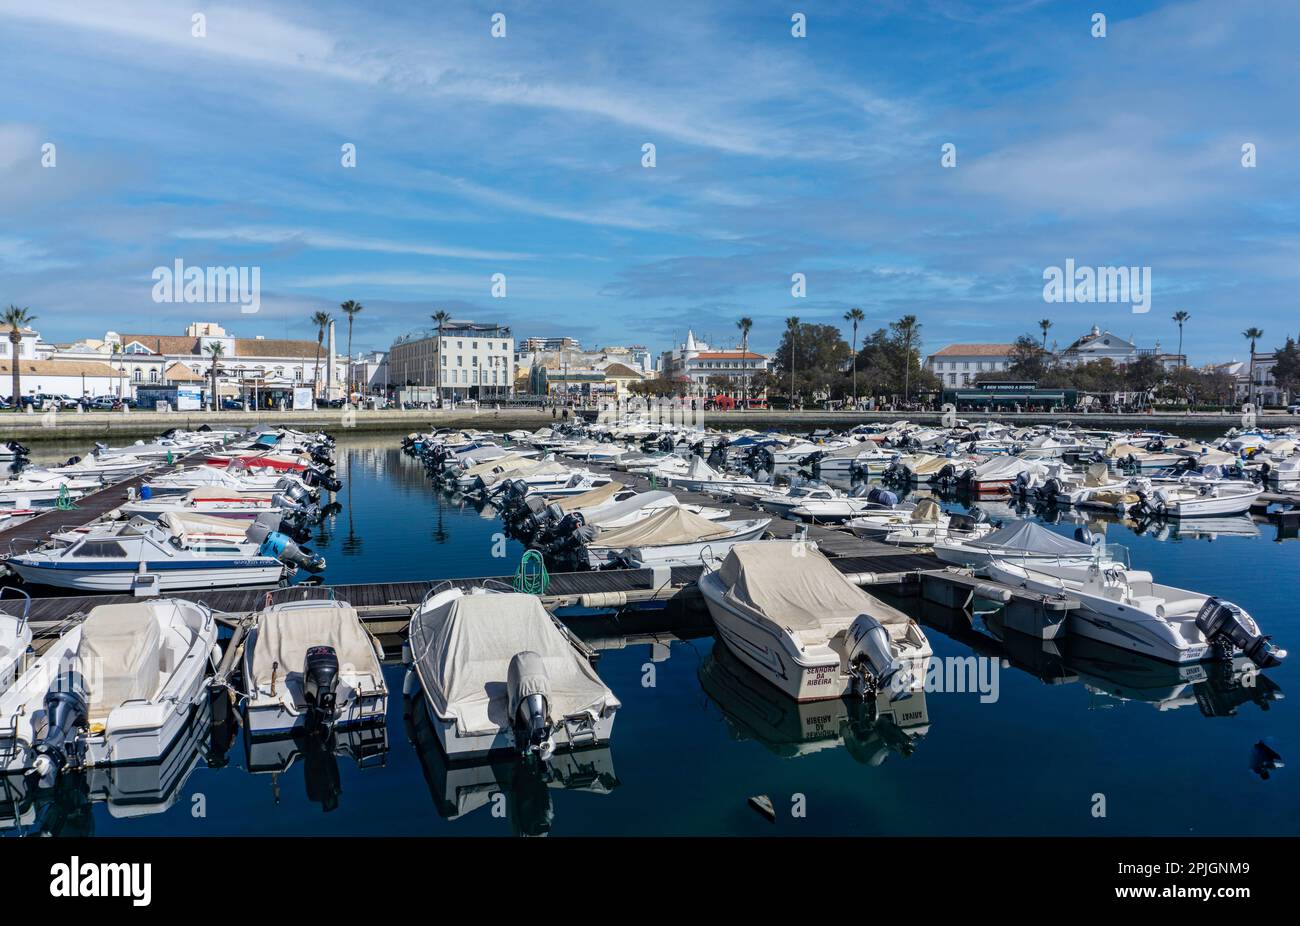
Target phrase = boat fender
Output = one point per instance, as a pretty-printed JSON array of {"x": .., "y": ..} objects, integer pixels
[
  {"x": 870, "y": 655},
  {"x": 528, "y": 689},
  {"x": 66, "y": 714}
]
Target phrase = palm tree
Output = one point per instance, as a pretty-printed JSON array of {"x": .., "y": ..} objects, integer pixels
[
  {"x": 855, "y": 316},
  {"x": 1180, "y": 317},
  {"x": 1045, "y": 323},
  {"x": 17, "y": 319},
  {"x": 350, "y": 309},
  {"x": 322, "y": 322},
  {"x": 908, "y": 328},
  {"x": 216, "y": 350},
  {"x": 1252, "y": 335},
  {"x": 792, "y": 326},
  {"x": 744, "y": 325},
  {"x": 440, "y": 317}
]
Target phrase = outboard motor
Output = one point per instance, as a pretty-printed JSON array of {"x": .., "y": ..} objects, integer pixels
[
  {"x": 871, "y": 658},
  {"x": 879, "y": 496},
  {"x": 320, "y": 682},
  {"x": 18, "y": 449},
  {"x": 569, "y": 543},
  {"x": 1084, "y": 535},
  {"x": 284, "y": 548},
  {"x": 319, "y": 478},
  {"x": 66, "y": 714},
  {"x": 529, "y": 691},
  {"x": 1227, "y": 625},
  {"x": 72, "y": 461}
]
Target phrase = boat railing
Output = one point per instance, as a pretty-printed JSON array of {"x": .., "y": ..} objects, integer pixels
[
  {"x": 307, "y": 593},
  {"x": 27, "y": 603}
]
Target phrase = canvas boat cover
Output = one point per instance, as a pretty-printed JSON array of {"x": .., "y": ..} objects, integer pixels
[
  {"x": 510, "y": 461},
  {"x": 1283, "y": 445},
  {"x": 589, "y": 499},
  {"x": 204, "y": 493},
  {"x": 463, "y": 650},
  {"x": 1096, "y": 475},
  {"x": 185, "y": 523},
  {"x": 118, "y": 655},
  {"x": 699, "y": 469},
  {"x": 1003, "y": 467},
  {"x": 284, "y": 636},
  {"x": 663, "y": 528},
  {"x": 927, "y": 509},
  {"x": 1028, "y": 537},
  {"x": 791, "y": 584},
  {"x": 622, "y": 509}
]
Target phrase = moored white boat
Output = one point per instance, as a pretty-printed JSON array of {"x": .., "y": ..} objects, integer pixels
[
  {"x": 793, "y": 618},
  {"x": 501, "y": 675}
]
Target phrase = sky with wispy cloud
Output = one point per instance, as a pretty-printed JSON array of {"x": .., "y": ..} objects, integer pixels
[{"x": 775, "y": 155}]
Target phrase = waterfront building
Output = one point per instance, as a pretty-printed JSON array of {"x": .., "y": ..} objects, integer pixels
[
  {"x": 960, "y": 364},
  {"x": 469, "y": 360},
  {"x": 695, "y": 363}
]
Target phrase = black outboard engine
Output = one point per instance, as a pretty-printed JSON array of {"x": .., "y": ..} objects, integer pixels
[
  {"x": 568, "y": 543},
  {"x": 1227, "y": 625},
  {"x": 66, "y": 715},
  {"x": 72, "y": 461},
  {"x": 529, "y": 691},
  {"x": 320, "y": 683},
  {"x": 1084, "y": 535},
  {"x": 18, "y": 449},
  {"x": 321, "y": 478}
]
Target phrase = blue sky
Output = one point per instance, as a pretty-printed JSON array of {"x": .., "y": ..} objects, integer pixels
[{"x": 774, "y": 155}]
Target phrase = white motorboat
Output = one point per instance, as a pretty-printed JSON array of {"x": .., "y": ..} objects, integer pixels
[
  {"x": 111, "y": 469},
  {"x": 700, "y": 477},
  {"x": 234, "y": 478},
  {"x": 642, "y": 505},
  {"x": 116, "y": 689},
  {"x": 1196, "y": 499},
  {"x": 311, "y": 664},
  {"x": 176, "y": 552},
  {"x": 793, "y": 618},
  {"x": 1128, "y": 609},
  {"x": 835, "y": 508},
  {"x": 671, "y": 537},
  {"x": 213, "y": 502},
  {"x": 501, "y": 675},
  {"x": 1021, "y": 542},
  {"x": 923, "y": 525}
]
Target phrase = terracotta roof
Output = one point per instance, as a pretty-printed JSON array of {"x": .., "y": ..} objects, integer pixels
[
  {"x": 264, "y": 347},
  {"x": 974, "y": 350},
  {"x": 728, "y": 355},
  {"x": 621, "y": 371},
  {"x": 164, "y": 343},
  {"x": 180, "y": 373},
  {"x": 60, "y": 368}
]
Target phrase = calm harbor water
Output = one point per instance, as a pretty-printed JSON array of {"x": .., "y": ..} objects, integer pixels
[{"x": 1166, "y": 754}]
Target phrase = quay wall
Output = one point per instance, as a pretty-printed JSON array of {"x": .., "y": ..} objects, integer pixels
[{"x": 69, "y": 425}]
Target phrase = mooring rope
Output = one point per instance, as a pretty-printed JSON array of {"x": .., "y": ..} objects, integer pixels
[{"x": 65, "y": 502}]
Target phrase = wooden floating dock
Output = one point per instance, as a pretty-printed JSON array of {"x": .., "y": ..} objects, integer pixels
[
  {"x": 30, "y": 534},
  {"x": 387, "y": 607}
]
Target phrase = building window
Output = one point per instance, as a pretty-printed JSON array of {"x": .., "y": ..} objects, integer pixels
[{"x": 153, "y": 376}]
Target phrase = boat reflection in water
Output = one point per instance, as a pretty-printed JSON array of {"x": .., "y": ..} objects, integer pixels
[
  {"x": 127, "y": 790},
  {"x": 870, "y": 730},
  {"x": 522, "y": 786},
  {"x": 319, "y": 751},
  {"x": 1217, "y": 688}
]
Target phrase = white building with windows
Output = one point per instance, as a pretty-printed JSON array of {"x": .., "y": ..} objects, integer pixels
[
  {"x": 468, "y": 360},
  {"x": 960, "y": 364},
  {"x": 695, "y": 362}
]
